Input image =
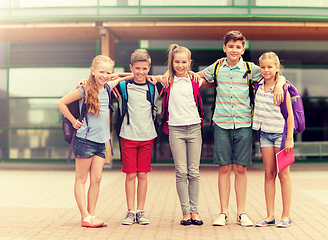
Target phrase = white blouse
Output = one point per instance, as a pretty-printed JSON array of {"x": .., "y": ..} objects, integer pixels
[{"x": 182, "y": 106}]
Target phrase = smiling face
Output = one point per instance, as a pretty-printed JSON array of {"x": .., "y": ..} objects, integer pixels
[
  {"x": 181, "y": 64},
  {"x": 102, "y": 73},
  {"x": 268, "y": 69},
  {"x": 234, "y": 50},
  {"x": 140, "y": 71}
]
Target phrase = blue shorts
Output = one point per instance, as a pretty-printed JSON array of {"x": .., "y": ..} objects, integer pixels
[
  {"x": 232, "y": 146},
  {"x": 91, "y": 148},
  {"x": 270, "y": 139}
]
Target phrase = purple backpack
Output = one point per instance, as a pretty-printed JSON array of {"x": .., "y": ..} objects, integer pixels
[
  {"x": 70, "y": 131},
  {"x": 298, "y": 111}
]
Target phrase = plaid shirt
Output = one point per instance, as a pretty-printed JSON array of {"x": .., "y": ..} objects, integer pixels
[{"x": 232, "y": 104}]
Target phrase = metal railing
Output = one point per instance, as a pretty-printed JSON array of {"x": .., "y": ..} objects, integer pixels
[{"x": 302, "y": 150}]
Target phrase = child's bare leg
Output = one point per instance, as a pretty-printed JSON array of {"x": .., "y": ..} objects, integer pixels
[
  {"x": 130, "y": 188},
  {"x": 240, "y": 187},
  {"x": 224, "y": 187},
  {"x": 141, "y": 190},
  {"x": 96, "y": 169},
  {"x": 82, "y": 166},
  {"x": 286, "y": 192},
  {"x": 269, "y": 162}
]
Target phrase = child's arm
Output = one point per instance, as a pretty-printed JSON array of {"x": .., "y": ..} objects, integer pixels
[
  {"x": 62, "y": 105},
  {"x": 206, "y": 84},
  {"x": 154, "y": 79},
  {"x": 115, "y": 82},
  {"x": 195, "y": 76},
  {"x": 290, "y": 125},
  {"x": 165, "y": 78},
  {"x": 278, "y": 93},
  {"x": 115, "y": 76}
]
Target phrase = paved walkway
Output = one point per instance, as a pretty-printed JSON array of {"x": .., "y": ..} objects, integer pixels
[{"x": 38, "y": 203}]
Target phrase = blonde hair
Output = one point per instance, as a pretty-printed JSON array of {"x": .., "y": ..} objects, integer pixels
[
  {"x": 274, "y": 57},
  {"x": 173, "y": 49},
  {"x": 91, "y": 89},
  {"x": 140, "y": 55}
]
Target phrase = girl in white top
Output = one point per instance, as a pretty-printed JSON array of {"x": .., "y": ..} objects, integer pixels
[
  {"x": 270, "y": 122},
  {"x": 185, "y": 137}
]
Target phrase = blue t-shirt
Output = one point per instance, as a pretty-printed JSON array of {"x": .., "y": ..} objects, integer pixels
[{"x": 99, "y": 129}]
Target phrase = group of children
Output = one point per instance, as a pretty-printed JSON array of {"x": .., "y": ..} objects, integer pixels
[{"x": 182, "y": 118}]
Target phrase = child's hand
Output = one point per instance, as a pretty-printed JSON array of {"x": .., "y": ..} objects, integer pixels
[
  {"x": 278, "y": 96},
  {"x": 77, "y": 124},
  {"x": 220, "y": 61},
  {"x": 113, "y": 76},
  {"x": 82, "y": 82},
  {"x": 286, "y": 86},
  {"x": 151, "y": 79},
  {"x": 194, "y": 76},
  {"x": 289, "y": 144},
  {"x": 165, "y": 79}
]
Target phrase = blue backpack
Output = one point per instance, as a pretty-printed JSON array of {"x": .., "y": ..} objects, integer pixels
[
  {"x": 69, "y": 130},
  {"x": 298, "y": 111},
  {"x": 122, "y": 89}
]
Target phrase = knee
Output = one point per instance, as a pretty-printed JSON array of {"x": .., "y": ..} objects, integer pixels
[
  {"x": 193, "y": 175},
  {"x": 239, "y": 169},
  {"x": 81, "y": 179},
  {"x": 284, "y": 177},
  {"x": 225, "y": 169},
  {"x": 269, "y": 175},
  {"x": 96, "y": 180},
  {"x": 181, "y": 176},
  {"x": 131, "y": 177},
  {"x": 142, "y": 176}
]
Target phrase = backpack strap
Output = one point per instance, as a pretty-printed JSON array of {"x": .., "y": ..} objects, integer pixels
[
  {"x": 198, "y": 99},
  {"x": 151, "y": 89},
  {"x": 124, "y": 95},
  {"x": 215, "y": 74},
  {"x": 165, "y": 111},
  {"x": 111, "y": 109},
  {"x": 109, "y": 97},
  {"x": 115, "y": 92},
  {"x": 248, "y": 74},
  {"x": 84, "y": 114}
]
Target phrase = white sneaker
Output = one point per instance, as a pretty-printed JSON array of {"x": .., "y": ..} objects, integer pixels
[
  {"x": 243, "y": 220},
  {"x": 141, "y": 218},
  {"x": 129, "y": 219},
  {"x": 221, "y": 220}
]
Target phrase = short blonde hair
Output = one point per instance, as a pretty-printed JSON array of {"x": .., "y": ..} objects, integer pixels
[{"x": 140, "y": 55}]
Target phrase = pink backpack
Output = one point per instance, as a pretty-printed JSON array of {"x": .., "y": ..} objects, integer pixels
[{"x": 165, "y": 105}]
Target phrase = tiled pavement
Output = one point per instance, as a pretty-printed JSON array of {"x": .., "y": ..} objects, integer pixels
[{"x": 38, "y": 203}]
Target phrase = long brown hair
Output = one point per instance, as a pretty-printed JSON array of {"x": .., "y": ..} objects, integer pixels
[
  {"x": 175, "y": 48},
  {"x": 91, "y": 89}
]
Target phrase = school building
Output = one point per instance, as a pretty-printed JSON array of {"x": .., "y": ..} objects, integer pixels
[{"x": 47, "y": 47}]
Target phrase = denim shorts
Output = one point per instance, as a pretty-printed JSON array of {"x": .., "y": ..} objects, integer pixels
[
  {"x": 270, "y": 139},
  {"x": 91, "y": 148}
]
